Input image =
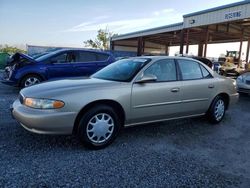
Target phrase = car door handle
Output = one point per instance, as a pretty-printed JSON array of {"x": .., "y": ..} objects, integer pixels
[
  {"x": 174, "y": 90},
  {"x": 210, "y": 86}
]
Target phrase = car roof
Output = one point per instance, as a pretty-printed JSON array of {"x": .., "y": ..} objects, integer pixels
[
  {"x": 79, "y": 49},
  {"x": 155, "y": 58},
  {"x": 165, "y": 57}
]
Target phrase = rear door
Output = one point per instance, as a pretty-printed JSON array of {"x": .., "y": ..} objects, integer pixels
[
  {"x": 102, "y": 60},
  {"x": 86, "y": 63},
  {"x": 197, "y": 87}
]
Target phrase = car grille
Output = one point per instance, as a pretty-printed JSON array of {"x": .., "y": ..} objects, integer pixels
[
  {"x": 248, "y": 82},
  {"x": 21, "y": 98}
]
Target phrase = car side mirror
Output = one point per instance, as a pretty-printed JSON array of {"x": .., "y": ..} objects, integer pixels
[{"x": 147, "y": 78}]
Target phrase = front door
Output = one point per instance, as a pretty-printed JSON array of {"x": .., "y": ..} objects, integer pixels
[
  {"x": 60, "y": 66},
  {"x": 159, "y": 99}
]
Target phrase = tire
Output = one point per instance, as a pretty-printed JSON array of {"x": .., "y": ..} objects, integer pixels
[
  {"x": 99, "y": 126},
  {"x": 217, "y": 110},
  {"x": 30, "y": 80}
]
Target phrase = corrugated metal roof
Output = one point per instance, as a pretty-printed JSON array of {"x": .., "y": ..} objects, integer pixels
[
  {"x": 217, "y": 8},
  {"x": 162, "y": 29},
  {"x": 177, "y": 26}
]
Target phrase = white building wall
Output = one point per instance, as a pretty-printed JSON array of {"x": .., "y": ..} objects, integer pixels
[{"x": 219, "y": 16}]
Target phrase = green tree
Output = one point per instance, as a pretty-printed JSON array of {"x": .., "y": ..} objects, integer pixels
[
  {"x": 10, "y": 49},
  {"x": 101, "y": 41}
]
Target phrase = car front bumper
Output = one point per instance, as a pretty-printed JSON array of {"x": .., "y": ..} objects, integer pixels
[
  {"x": 243, "y": 88},
  {"x": 8, "y": 82},
  {"x": 43, "y": 121},
  {"x": 234, "y": 98},
  {"x": 4, "y": 78}
]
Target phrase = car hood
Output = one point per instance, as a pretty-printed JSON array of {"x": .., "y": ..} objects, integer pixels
[
  {"x": 25, "y": 56},
  {"x": 16, "y": 59},
  {"x": 47, "y": 88}
]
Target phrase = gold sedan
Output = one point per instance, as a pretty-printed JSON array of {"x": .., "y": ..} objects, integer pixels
[{"x": 128, "y": 92}]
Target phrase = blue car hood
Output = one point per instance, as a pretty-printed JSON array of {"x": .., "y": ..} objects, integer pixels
[{"x": 25, "y": 56}]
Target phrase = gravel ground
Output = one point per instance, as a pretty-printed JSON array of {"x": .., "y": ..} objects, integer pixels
[{"x": 182, "y": 153}]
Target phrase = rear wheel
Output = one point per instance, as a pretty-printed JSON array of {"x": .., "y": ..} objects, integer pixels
[
  {"x": 30, "y": 80},
  {"x": 217, "y": 110},
  {"x": 99, "y": 126}
]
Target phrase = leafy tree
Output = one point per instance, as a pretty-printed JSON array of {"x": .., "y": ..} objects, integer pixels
[
  {"x": 101, "y": 41},
  {"x": 10, "y": 49}
]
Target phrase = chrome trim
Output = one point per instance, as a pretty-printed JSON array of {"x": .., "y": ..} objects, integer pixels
[
  {"x": 195, "y": 100},
  {"x": 169, "y": 103},
  {"x": 157, "y": 104},
  {"x": 167, "y": 119}
]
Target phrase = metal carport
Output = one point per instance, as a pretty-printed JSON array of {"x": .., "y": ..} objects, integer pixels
[{"x": 228, "y": 23}]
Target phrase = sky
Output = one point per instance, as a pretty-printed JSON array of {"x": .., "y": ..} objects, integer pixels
[{"x": 69, "y": 23}]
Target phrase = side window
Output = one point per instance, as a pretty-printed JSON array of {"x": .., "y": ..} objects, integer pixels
[
  {"x": 102, "y": 57},
  {"x": 190, "y": 70},
  {"x": 61, "y": 58},
  {"x": 205, "y": 72},
  {"x": 164, "y": 70},
  {"x": 87, "y": 57}
]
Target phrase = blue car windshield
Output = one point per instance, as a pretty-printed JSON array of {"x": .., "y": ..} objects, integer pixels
[
  {"x": 45, "y": 56},
  {"x": 123, "y": 70}
]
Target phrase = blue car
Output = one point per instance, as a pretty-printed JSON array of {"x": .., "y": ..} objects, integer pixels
[{"x": 24, "y": 71}]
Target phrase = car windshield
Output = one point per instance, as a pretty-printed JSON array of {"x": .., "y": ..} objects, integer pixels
[
  {"x": 46, "y": 55},
  {"x": 122, "y": 70},
  {"x": 36, "y": 56}
]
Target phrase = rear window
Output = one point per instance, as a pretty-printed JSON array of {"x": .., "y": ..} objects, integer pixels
[
  {"x": 102, "y": 57},
  {"x": 205, "y": 72},
  {"x": 190, "y": 70},
  {"x": 87, "y": 57}
]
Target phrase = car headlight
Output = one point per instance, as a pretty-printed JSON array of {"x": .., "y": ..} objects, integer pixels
[
  {"x": 234, "y": 82},
  {"x": 43, "y": 103}
]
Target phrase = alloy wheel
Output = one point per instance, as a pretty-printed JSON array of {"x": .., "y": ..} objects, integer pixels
[{"x": 31, "y": 81}]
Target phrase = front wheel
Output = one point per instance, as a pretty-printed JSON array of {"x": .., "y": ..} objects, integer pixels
[
  {"x": 217, "y": 110},
  {"x": 30, "y": 80},
  {"x": 99, "y": 126}
]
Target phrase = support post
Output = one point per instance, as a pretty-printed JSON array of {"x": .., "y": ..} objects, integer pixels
[
  {"x": 217, "y": 28},
  {"x": 228, "y": 26},
  {"x": 167, "y": 49},
  {"x": 206, "y": 40},
  {"x": 240, "y": 49},
  {"x": 187, "y": 42},
  {"x": 182, "y": 41},
  {"x": 143, "y": 46},
  {"x": 200, "y": 49},
  {"x": 247, "y": 53},
  {"x": 139, "y": 46},
  {"x": 112, "y": 46}
]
